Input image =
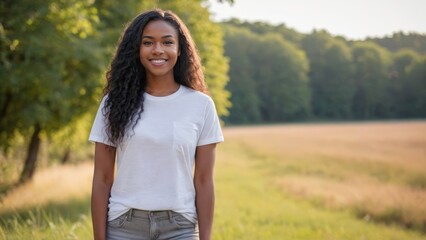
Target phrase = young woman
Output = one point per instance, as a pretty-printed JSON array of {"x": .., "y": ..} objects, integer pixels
[{"x": 160, "y": 129}]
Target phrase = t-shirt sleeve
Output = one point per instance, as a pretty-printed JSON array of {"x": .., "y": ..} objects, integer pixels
[
  {"x": 211, "y": 131},
  {"x": 98, "y": 132}
]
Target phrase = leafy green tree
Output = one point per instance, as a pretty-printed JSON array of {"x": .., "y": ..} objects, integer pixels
[
  {"x": 397, "y": 91},
  {"x": 113, "y": 17},
  {"x": 371, "y": 67},
  {"x": 245, "y": 99},
  {"x": 281, "y": 73},
  {"x": 400, "y": 40},
  {"x": 331, "y": 75},
  {"x": 413, "y": 101},
  {"x": 49, "y": 68},
  {"x": 268, "y": 76}
]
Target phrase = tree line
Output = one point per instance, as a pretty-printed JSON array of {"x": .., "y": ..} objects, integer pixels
[{"x": 278, "y": 74}]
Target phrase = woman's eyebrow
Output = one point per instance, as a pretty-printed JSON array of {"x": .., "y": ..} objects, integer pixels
[{"x": 165, "y": 36}]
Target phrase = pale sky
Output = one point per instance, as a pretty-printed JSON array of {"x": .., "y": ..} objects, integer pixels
[{"x": 354, "y": 19}]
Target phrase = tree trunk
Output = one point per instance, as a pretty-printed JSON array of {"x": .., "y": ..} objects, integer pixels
[
  {"x": 4, "y": 109},
  {"x": 32, "y": 154},
  {"x": 66, "y": 156}
]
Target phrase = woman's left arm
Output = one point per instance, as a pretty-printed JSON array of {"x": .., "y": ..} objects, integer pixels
[{"x": 204, "y": 187}]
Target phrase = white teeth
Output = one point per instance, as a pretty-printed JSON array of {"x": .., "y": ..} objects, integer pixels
[{"x": 158, "y": 61}]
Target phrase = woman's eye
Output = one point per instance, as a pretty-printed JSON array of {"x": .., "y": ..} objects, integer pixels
[
  {"x": 168, "y": 42},
  {"x": 147, "y": 43}
]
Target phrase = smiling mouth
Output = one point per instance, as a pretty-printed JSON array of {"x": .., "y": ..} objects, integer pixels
[{"x": 157, "y": 61}]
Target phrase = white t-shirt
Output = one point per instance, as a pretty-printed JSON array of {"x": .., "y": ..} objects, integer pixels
[{"x": 155, "y": 162}]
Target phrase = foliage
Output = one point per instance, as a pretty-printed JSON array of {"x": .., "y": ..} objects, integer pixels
[
  {"x": 371, "y": 67},
  {"x": 244, "y": 98},
  {"x": 347, "y": 79},
  {"x": 414, "y": 97},
  {"x": 331, "y": 75},
  {"x": 400, "y": 40},
  {"x": 261, "y": 90},
  {"x": 49, "y": 65},
  {"x": 402, "y": 63}
]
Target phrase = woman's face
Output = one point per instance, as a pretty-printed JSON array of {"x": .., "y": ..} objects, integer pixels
[{"x": 159, "y": 49}]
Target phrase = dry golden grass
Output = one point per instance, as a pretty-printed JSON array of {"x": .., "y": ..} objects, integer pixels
[
  {"x": 372, "y": 199},
  {"x": 54, "y": 184},
  {"x": 399, "y": 143},
  {"x": 377, "y": 169}
]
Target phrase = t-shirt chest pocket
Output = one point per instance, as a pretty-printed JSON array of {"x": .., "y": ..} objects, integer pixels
[{"x": 185, "y": 134}]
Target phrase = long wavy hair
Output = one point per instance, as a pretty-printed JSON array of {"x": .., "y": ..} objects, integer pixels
[{"x": 126, "y": 77}]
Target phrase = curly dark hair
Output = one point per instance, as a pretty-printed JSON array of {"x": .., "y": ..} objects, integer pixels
[{"x": 126, "y": 78}]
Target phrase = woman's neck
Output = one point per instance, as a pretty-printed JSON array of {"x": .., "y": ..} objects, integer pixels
[{"x": 161, "y": 88}]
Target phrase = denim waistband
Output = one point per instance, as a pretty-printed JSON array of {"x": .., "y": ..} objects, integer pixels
[{"x": 137, "y": 213}]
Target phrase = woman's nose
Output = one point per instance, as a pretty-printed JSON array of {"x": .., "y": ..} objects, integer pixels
[{"x": 158, "y": 49}]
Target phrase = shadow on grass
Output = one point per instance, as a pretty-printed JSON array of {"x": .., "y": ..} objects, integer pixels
[{"x": 70, "y": 211}]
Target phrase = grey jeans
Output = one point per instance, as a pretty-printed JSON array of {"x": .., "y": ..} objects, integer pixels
[{"x": 160, "y": 225}]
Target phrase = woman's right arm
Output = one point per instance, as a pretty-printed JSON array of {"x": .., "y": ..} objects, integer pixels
[{"x": 103, "y": 177}]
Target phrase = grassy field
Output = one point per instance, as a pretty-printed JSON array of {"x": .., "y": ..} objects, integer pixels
[{"x": 301, "y": 181}]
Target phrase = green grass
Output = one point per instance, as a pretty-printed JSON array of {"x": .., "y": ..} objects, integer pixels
[
  {"x": 69, "y": 220},
  {"x": 250, "y": 206},
  {"x": 249, "y": 203}
]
